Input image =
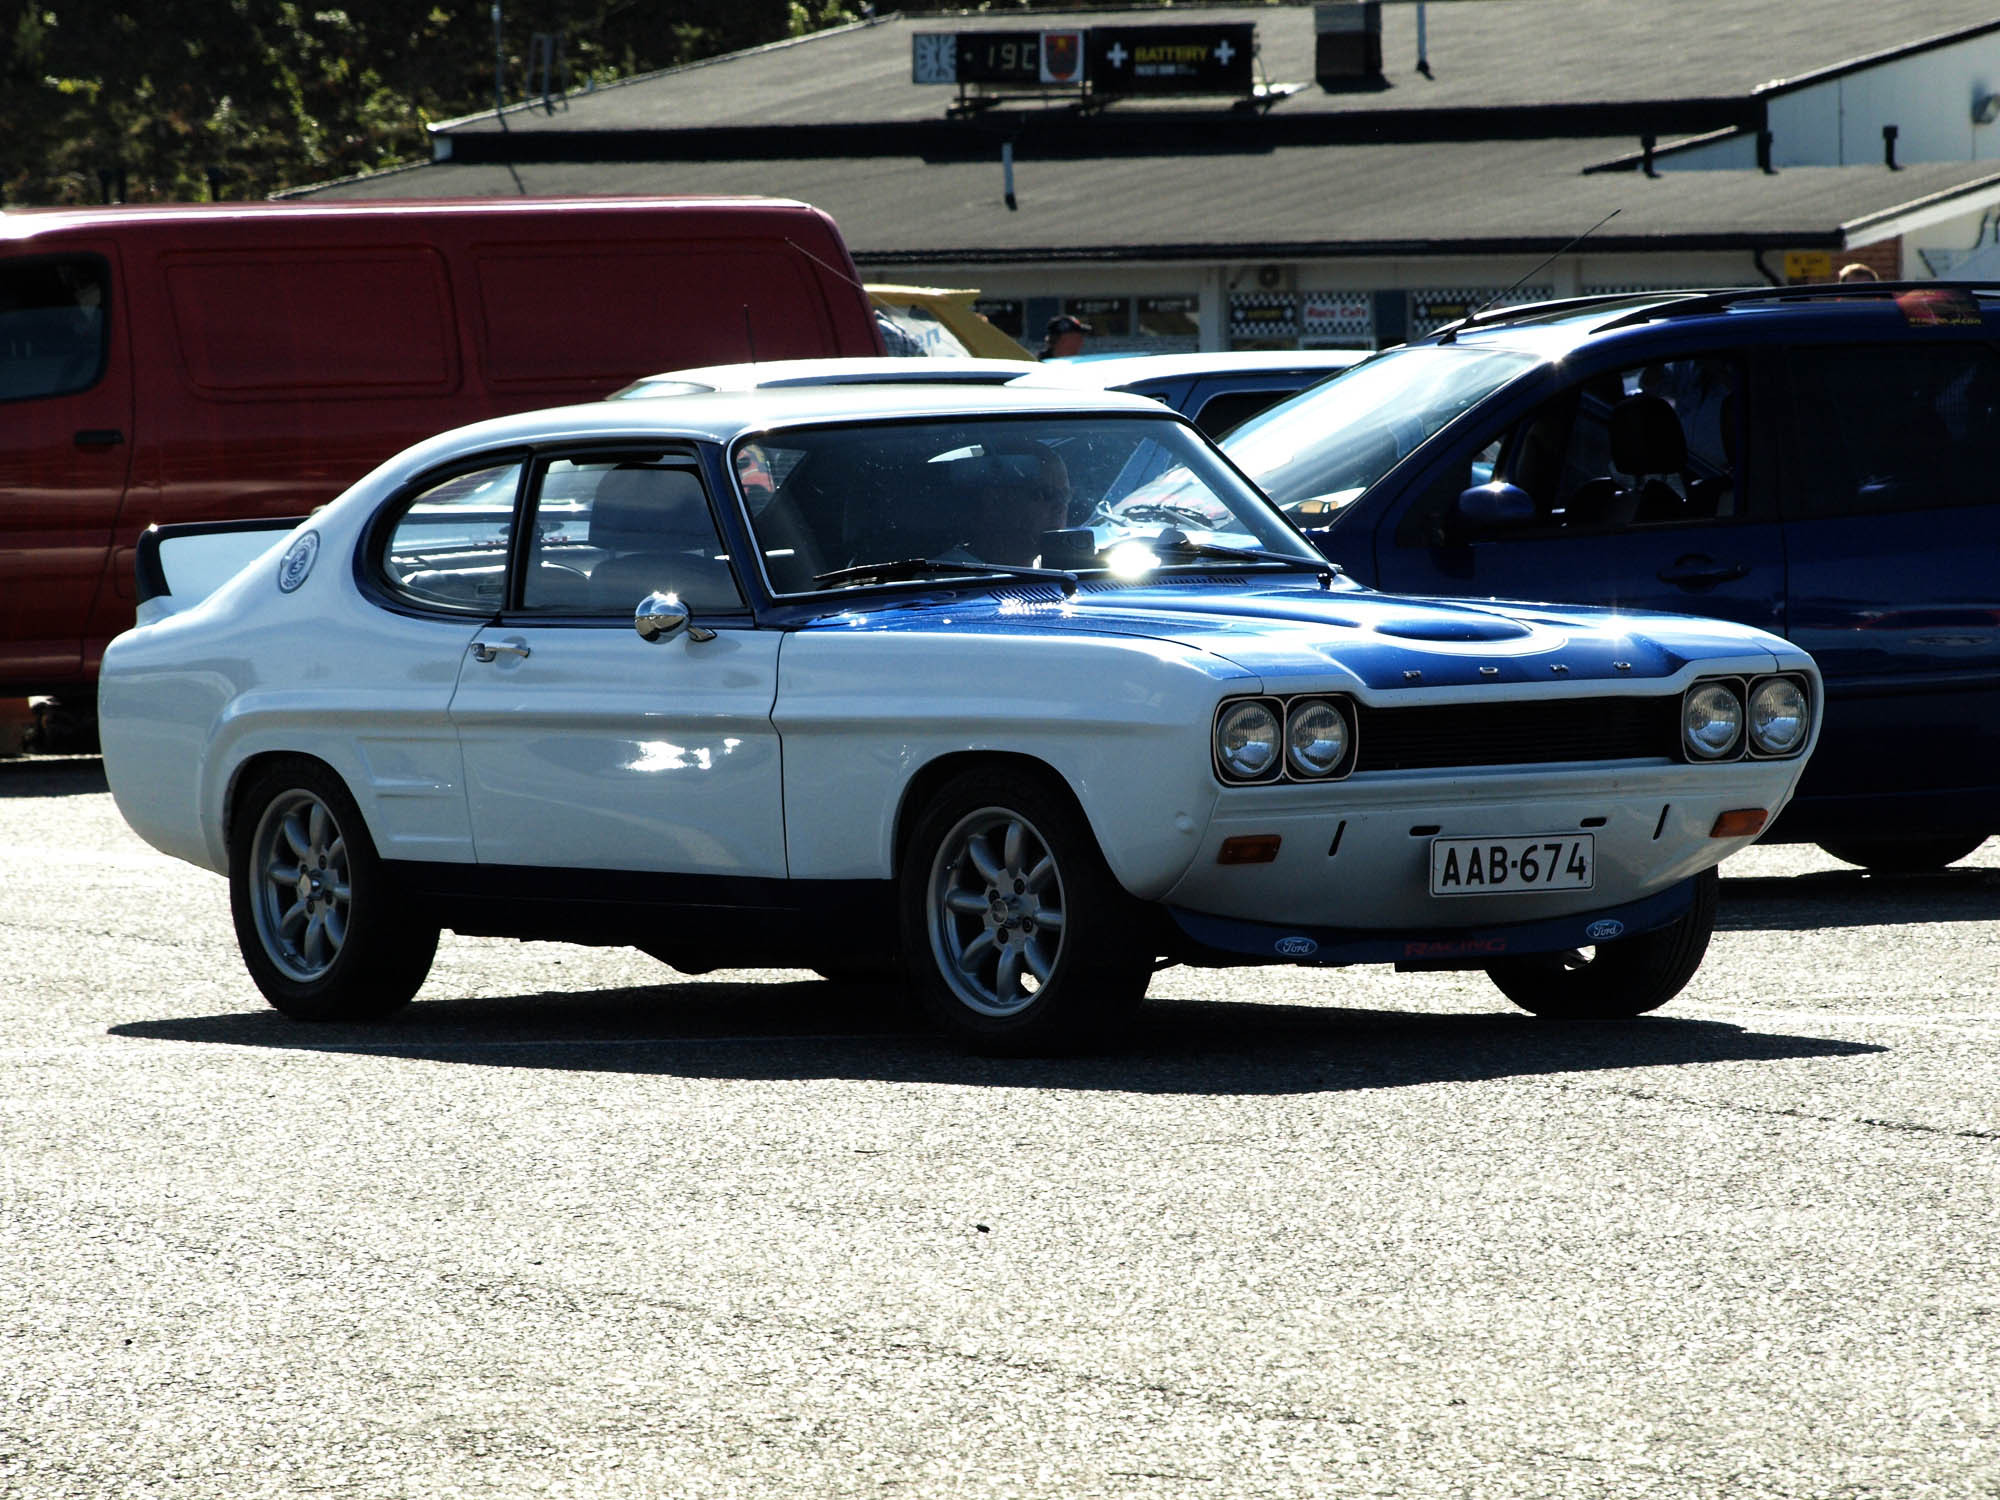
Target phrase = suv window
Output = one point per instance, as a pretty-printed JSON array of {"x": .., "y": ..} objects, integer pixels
[
  {"x": 1889, "y": 428},
  {"x": 52, "y": 326}
]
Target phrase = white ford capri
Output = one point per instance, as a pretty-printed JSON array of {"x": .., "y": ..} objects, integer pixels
[{"x": 1010, "y": 694}]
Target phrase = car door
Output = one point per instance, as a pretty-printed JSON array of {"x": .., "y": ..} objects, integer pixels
[
  {"x": 589, "y": 747},
  {"x": 1652, "y": 489},
  {"x": 66, "y": 395},
  {"x": 1893, "y": 531}
]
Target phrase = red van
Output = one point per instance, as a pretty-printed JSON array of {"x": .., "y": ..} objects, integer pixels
[{"x": 206, "y": 362}]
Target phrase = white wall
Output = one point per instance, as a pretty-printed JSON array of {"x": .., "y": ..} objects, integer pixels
[{"x": 1928, "y": 97}]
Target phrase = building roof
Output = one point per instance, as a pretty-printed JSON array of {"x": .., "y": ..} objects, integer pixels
[
  {"x": 1467, "y": 197},
  {"x": 1491, "y": 154}
]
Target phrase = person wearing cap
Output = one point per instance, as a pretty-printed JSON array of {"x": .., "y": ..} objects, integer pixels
[{"x": 1064, "y": 337}]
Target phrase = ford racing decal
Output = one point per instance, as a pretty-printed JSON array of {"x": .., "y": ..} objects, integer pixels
[{"x": 297, "y": 562}]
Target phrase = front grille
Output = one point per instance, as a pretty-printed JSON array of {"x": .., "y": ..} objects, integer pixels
[{"x": 1515, "y": 734}]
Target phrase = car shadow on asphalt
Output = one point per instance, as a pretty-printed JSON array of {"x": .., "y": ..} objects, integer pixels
[
  {"x": 52, "y": 776},
  {"x": 813, "y": 1029},
  {"x": 1856, "y": 898}
]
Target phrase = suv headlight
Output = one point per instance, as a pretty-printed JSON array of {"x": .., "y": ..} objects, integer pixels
[
  {"x": 1712, "y": 720},
  {"x": 1316, "y": 737},
  {"x": 1246, "y": 740},
  {"x": 1778, "y": 718}
]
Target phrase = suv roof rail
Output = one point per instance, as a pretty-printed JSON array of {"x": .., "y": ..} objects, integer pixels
[
  {"x": 1694, "y": 304},
  {"x": 1451, "y": 330}
]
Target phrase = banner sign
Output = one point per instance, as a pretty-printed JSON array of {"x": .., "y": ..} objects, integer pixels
[
  {"x": 1172, "y": 59},
  {"x": 1020, "y": 58}
]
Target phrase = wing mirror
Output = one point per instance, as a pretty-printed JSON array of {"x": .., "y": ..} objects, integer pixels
[
  {"x": 661, "y": 617},
  {"x": 1487, "y": 508}
]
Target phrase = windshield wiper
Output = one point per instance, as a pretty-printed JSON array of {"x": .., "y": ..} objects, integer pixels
[
  {"x": 1173, "y": 539},
  {"x": 919, "y": 567}
]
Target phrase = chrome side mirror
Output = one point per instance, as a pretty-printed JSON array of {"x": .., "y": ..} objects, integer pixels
[{"x": 661, "y": 617}]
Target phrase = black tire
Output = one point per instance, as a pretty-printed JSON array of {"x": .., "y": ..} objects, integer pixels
[
  {"x": 322, "y": 930},
  {"x": 1619, "y": 979},
  {"x": 1019, "y": 939},
  {"x": 1905, "y": 856}
]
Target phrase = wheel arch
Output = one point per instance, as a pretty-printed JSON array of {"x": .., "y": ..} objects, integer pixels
[
  {"x": 922, "y": 787},
  {"x": 246, "y": 770}
]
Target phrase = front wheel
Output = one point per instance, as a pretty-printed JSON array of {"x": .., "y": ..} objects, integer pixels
[
  {"x": 1614, "y": 980},
  {"x": 1018, "y": 937},
  {"x": 319, "y": 926}
]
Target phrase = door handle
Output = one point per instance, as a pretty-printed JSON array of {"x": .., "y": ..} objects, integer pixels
[
  {"x": 488, "y": 651},
  {"x": 99, "y": 437},
  {"x": 1698, "y": 572}
]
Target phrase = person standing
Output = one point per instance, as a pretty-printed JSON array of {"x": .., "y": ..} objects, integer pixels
[{"x": 1064, "y": 337}]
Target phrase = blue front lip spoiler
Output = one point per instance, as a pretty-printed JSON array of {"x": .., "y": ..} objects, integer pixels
[{"x": 1452, "y": 948}]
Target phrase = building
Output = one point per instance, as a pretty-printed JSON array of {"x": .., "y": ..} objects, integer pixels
[{"x": 1345, "y": 173}]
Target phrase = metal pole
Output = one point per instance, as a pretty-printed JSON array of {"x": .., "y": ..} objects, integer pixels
[{"x": 499, "y": 62}]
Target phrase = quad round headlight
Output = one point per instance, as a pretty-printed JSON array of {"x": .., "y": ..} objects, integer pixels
[
  {"x": 1777, "y": 716},
  {"x": 1246, "y": 740},
  {"x": 1315, "y": 737},
  {"x": 1711, "y": 720}
]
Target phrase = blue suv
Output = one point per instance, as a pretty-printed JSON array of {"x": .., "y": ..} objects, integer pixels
[{"x": 1822, "y": 462}]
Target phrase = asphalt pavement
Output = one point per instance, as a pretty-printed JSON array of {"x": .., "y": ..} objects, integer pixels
[{"x": 575, "y": 1225}]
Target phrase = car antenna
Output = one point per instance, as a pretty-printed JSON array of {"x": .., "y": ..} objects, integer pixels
[{"x": 1451, "y": 333}]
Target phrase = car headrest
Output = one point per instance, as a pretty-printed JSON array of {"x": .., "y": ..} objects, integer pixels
[
  {"x": 639, "y": 507},
  {"x": 1646, "y": 437}
]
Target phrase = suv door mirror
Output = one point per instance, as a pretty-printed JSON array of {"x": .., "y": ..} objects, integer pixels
[{"x": 1485, "y": 509}]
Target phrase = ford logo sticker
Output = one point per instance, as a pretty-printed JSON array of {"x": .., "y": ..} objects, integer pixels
[
  {"x": 1297, "y": 947},
  {"x": 297, "y": 562},
  {"x": 1605, "y": 931}
]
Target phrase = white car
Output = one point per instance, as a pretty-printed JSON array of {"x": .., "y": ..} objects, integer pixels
[{"x": 919, "y": 680}]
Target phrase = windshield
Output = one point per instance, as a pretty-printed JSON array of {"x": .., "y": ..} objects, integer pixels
[
  {"x": 1316, "y": 452},
  {"x": 834, "y": 507}
]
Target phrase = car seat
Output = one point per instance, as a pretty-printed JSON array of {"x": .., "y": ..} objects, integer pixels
[
  {"x": 654, "y": 527},
  {"x": 1648, "y": 446}
]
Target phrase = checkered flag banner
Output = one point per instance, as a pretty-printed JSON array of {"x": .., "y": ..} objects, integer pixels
[
  {"x": 1434, "y": 307},
  {"x": 1263, "y": 315}
]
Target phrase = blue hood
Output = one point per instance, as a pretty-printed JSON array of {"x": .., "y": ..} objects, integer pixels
[{"x": 1280, "y": 630}]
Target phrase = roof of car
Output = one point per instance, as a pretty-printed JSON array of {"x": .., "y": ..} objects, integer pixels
[
  {"x": 723, "y": 416},
  {"x": 1111, "y": 371},
  {"x": 854, "y": 370}
]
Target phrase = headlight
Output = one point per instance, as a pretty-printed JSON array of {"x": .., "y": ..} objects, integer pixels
[
  {"x": 1711, "y": 720},
  {"x": 1777, "y": 716},
  {"x": 1246, "y": 740},
  {"x": 1315, "y": 737}
]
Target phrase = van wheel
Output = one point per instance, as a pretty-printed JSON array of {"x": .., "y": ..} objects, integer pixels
[
  {"x": 1904, "y": 856},
  {"x": 1614, "y": 980},
  {"x": 1018, "y": 937},
  {"x": 321, "y": 929}
]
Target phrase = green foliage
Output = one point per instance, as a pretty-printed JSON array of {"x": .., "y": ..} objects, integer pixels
[{"x": 190, "y": 99}]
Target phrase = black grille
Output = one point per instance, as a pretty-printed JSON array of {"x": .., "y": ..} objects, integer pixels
[{"x": 1515, "y": 734}]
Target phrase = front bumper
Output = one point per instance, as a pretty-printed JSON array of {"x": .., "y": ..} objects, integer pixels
[{"x": 1225, "y": 940}]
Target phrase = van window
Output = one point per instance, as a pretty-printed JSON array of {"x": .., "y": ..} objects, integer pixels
[
  {"x": 53, "y": 326},
  {"x": 646, "y": 307},
  {"x": 371, "y": 323},
  {"x": 1890, "y": 428}
]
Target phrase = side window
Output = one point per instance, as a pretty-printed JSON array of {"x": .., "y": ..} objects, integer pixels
[
  {"x": 1648, "y": 446},
  {"x": 1893, "y": 428},
  {"x": 447, "y": 548},
  {"x": 608, "y": 531},
  {"x": 53, "y": 327},
  {"x": 1230, "y": 408}
]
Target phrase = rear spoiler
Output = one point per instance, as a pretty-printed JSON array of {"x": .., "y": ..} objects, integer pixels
[{"x": 178, "y": 566}]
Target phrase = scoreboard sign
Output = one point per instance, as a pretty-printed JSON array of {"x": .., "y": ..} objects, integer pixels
[
  {"x": 1110, "y": 59},
  {"x": 1172, "y": 59}
]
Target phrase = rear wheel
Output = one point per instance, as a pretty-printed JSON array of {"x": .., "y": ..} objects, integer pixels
[
  {"x": 320, "y": 927},
  {"x": 1614, "y": 980},
  {"x": 1905, "y": 856},
  {"x": 1018, "y": 937}
]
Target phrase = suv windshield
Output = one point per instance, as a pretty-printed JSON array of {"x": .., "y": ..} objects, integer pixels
[
  {"x": 854, "y": 505},
  {"x": 1322, "y": 448}
]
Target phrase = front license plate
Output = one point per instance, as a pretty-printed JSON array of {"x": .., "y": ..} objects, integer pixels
[{"x": 1487, "y": 867}]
